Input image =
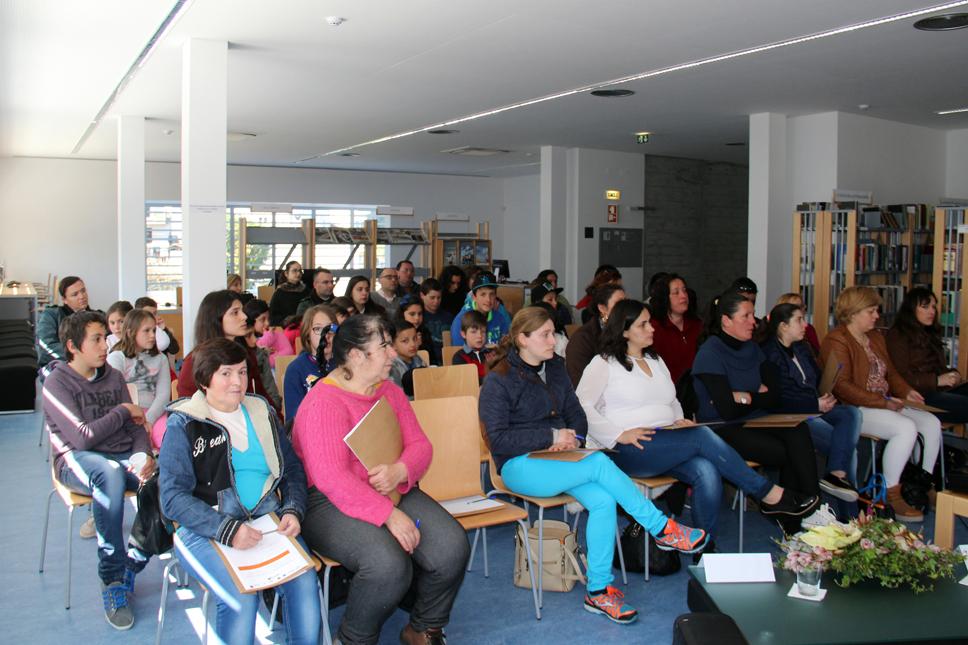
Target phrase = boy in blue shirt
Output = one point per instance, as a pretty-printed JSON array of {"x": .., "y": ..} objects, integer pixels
[{"x": 483, "y": 298}]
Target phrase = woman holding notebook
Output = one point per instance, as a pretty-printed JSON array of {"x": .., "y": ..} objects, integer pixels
[
  {"x": 224, "y": 462},
  {"x": 351, "y": 515},
  {"x": 630, "y": 401},
  {"x": 527, "y": 404}
]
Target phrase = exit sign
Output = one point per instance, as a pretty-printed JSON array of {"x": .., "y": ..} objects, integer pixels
[
  {"x": 641, "y": 137},
  {"x": 613, "y": 195}
]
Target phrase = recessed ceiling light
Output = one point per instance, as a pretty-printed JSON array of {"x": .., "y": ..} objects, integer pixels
[
  {"x": 334, "y": 21},
  {"x": 240, "y": 136},
  {"x": 945, "y": 22},
  {"x": 442, "y": 131},
  {"x": 349, "y": 154},
  {"x": 955, "y": 111},
  {"x": 864, "y": 107},
  {"x": 168, "y": 132},
  {"x": 612, "y": 93},
  {"x": 736, "y": 143}
]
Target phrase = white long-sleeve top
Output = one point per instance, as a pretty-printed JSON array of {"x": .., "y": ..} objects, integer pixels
[{"x": 616, "y": 400}]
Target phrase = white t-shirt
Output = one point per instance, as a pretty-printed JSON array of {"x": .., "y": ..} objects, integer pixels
[
  {"x": 616, "y": 400},
  {"x": 234, "y": 422}
]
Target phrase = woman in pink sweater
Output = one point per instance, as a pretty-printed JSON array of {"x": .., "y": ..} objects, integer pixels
[{"x": 350, "y": 516}]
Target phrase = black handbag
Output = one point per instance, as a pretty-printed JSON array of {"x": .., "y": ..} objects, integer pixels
[
  {"x": 151, "y": 532},
  {"x": 661, "y": 563}
]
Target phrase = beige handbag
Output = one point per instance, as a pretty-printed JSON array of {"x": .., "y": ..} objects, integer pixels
[{"x": 561, "y": 568}]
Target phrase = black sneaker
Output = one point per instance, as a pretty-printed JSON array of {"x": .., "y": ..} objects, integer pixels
[
  {"x": 791, "y": 504},
  {"x": 116, "y": 609},
  {"x": 838, "y": 487},
  {"x": 709, "y": 548}
]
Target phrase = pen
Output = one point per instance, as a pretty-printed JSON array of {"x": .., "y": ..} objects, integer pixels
[
  {"x": 580, "y": 437},
  {"x": 417, "y": 523}
]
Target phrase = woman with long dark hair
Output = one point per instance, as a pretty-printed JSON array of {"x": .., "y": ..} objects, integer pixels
[
  {"x": 454, "y": 283},
  {"x": 915, "y": 345},
  {"x": 605, "y": 275},
  {"x": 358, "y": 291},
  {"x": 629, "y": 398},
  {"x": 285, "y": 299},
  {"x": 677, "y": 327},
  {"x": 583, "y": 344}
]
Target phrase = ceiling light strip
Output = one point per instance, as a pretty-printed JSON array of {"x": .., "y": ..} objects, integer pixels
[
  {"x": 176, "y": 12},
  {"x": 957, "y": 111},
  {"x": 659, "y": 72}
]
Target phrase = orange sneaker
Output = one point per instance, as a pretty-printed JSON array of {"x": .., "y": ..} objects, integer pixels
[
  {"x": 610, "y": 603},
  {"x": 679, "y": 537}
]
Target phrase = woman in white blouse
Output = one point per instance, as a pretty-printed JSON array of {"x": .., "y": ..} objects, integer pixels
[{"x": 630, "y": 401}]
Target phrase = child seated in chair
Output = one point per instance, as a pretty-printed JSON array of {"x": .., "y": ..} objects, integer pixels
[
  {"x": 100, "y": 448},
  {"x": 406, "y": 342},
  {"x": 473, "y": 329}
]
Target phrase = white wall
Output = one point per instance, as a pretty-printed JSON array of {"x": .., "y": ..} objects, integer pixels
[
  {"x": 59, "y": 216},
  {"x": 811, "y": 158},
  {"x": 521, "y": 229},
  {"x": 956, "y": 180}
]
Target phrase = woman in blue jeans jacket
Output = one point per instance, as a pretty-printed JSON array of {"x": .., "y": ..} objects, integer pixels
[
  {"x": 527, "y": 404},
  {"x": 224, "y": 461},
  {"x": 837, "y": 427}
]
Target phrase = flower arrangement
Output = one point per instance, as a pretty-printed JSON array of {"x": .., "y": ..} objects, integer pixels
[{"x": 870, "y": 548}]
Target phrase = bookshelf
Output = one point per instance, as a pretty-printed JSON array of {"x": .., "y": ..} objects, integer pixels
[
  {"x": 836, "y": 245},
  {"x": 950, "y": 274},
  {"x": 460, "y": 249}
]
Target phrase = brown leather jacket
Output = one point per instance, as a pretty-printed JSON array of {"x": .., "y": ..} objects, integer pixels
[
  {"x": 851, "y": 385},
  {"x": 917, "y": 360}
]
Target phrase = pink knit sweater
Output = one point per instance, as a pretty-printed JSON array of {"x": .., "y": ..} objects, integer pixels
[{"x": 325, "y": 416}]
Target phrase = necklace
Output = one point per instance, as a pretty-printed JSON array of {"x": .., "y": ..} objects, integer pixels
[{"x": 636, "y": 358}]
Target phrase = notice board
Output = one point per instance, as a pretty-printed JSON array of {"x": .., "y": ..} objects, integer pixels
[{"x": 621, "y": 247}]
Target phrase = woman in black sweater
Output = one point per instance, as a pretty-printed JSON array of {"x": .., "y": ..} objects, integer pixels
[{"x": 285, "y": 299}]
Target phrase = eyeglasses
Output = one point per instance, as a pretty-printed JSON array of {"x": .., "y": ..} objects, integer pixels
[
  {"x": 385, "y": 346},
  {"x": 331, "y": 328}
]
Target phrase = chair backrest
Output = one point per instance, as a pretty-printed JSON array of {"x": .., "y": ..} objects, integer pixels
[
  {"x": 265, "y": 292},
  {"x": 448, "y": 353},
  {"x": 424, "y": 356},
  {"x": 445, "y": 337},
  {"x": 453, "y": 428},
  {"x": 282, "y": 364},
  {"x": 174, "y": 389},
  {"x": 571, "y": 329},
  {"x": 512, "y": 297},
  {"x": 447, "y": 381}
]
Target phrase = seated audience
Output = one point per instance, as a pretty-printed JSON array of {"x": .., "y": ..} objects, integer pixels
[
  {"x": 233, "y": 282},
  {"x": 734, "y": 383},
  {"x": 344, "y": 308},
  {"x": 257, "y": 324},
  {"x": 115, "y": 317},
  {"x": 405, "y": 346},
  {"x": 99, "y": 448},
  {"x": 837, "y": 427},
  {"x": 285, "y": 299},
  {"x": 385, "y": 294},
  {"x": 810, "y": 335},
  {"x": 454, "y": 282},
  {"x": 320, "y": 294},
  {"x": 436, "y": 319},
  {"x": 527, "y": 403},
  {"x": 358, "y": 291},
  {"x": 677, "y": 327},
  {"x": 165, "y": 341},
  {"x": 869, "y": 380},
  {"x": 561, "y": 337},
  {"x": 73, "y": 293},
  {"x": 630, "y": 402},
  {"x": 563, "y": 308},
  {"x": 483, "y": 298},
  {"x": 140, "y": 363},
  {"x": 406, "y": 285},
  {"x": 350, "y": 516},
  {"x": 473, "y": 329},
  {"x": 412, "y": 310},
  {"x": 583, "y": 344},
  {"x": 273, "y": 340},
  {"x": 225, "y": 460},
  {"x": 317, "y": 330},
  {"x": 915, "y": 346},
  {"x": 606, "y": 274}
]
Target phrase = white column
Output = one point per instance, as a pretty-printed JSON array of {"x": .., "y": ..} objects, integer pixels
[
  {"x": 203, "y": 174},
  {"x": 552, "y": 209},
  {"x": 132, "y": 279},
  {"x": 770, "y": 214}
]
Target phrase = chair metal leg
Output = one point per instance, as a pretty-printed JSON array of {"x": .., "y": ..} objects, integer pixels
[
  {"x": 70, "y": 555},
  {"x": 205, "y": 616},
  {"x": 621, "y": 556},
  {"x": 648, "y": 536},
  {"x": 742, "y": 514},
  {"x": 470, "y": 560},
  {"x": 43, "y": 426},
  {"x": 735, "y": 501},
  {"x": 272, "y": 614},
  {"x": 487, "y": 573},
  {"x": 164, "y": 596},
  {"x": 324, "y": 607},
  {"x": 534, "y": 589},
  {"x": 540, "y": 555},
  {"x": 43, "y": 540}
]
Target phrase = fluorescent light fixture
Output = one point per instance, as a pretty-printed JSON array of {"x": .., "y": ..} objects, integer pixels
[
  {"x": 907, "y": 15},
  {"x": 955, "y": 111}
]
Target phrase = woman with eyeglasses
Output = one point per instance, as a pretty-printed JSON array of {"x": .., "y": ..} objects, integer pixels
[
  {"x": 316, "y": 333},
  {"x": 286, "y": 298}
]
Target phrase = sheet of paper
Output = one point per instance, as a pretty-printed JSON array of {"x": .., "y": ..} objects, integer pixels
[
  {"x": 778, "y": 421},
  {"x": 563, "y": 455},
  {"x": 274, "y": 560},
  {"x": 469, "y": 505},
  {"x": 738, "y": 567}
]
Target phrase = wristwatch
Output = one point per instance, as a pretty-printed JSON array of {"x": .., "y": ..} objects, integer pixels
[{"x": 744, "y": 400}]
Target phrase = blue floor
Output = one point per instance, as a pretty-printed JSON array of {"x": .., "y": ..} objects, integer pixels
[{"x": 487, "y": 610}]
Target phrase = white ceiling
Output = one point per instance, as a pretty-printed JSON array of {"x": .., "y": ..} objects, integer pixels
[{"x": 306, "y": 89}]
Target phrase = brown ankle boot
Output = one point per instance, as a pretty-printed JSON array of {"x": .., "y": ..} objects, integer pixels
[
  {"x": 902, "y": 510},
  {"x": 432, "y": 636}
]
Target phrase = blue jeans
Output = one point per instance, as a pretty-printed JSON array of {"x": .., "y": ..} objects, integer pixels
[
  {"x": 236, "y": 611},
  {"x": 835, "y": 434},
  {"x": 598, "y": 484},
  {"x": 955, "y": 402},
  {"x": 105, "y": 477},
  {"x": 698, "y": 457}
]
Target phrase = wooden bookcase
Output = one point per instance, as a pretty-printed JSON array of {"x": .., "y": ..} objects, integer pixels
[{"x": 950, "y": 276}]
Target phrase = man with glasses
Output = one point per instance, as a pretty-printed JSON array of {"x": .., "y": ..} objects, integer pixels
[
  {"x": 386, "y": 294},
  {"x": 406, "y": 285},
  {"x": 321, "y": 293}
]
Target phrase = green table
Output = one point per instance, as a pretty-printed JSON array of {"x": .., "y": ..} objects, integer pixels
[{"x": 865, "y": 613}]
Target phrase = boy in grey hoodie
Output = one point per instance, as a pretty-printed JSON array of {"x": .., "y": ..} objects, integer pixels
[{"x": 100, "y": 448}]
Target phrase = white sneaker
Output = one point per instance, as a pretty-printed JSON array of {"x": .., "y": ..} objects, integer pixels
[
  {"x": 823, "y": 516},
  {"x": 574, "y": 508},
  {"x": 87, "y": 529}
]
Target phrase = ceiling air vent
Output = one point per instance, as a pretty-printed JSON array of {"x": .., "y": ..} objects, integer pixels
[{"x": 471, "y": 151}]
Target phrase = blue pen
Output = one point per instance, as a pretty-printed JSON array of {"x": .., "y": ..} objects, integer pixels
[
  {"x": 579, "y": 437},
  {"x": 417, "y": 523}
]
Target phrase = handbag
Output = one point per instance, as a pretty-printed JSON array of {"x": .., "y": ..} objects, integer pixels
[
  {"x": 151, "y": 532},
  {"x": 560, "y": 557},
  {"x": 632, "y": 542}
]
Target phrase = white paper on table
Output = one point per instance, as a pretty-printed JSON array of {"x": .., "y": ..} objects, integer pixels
[
  {"x": 272, "y": 561},
  {"x": 795, "y": 593},
  {"x": 963, "y": 550},
  {"x": 470, "y": 505},
  {"x": 738, "y": 567}
]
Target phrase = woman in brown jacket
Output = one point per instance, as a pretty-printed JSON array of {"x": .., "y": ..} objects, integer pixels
[
  {"x": 915, "y": 346},
  {"x": 869, "y": 380}
]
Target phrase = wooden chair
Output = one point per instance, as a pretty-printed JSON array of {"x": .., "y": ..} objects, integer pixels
[
  {"x": 265, "y": 292},
  {"x": 448, "y": 352},
  {"x": 452, "y": 426},
  {"x": 512, "y": 297},
  {"x": 72, "y": 501},
  {"x": 282, "y": 364},
  {"x": 445, "y": 337},
  {"x": 174, "y": 389},
  {"x": 447, "y": 381},
  {"x": 571, "y": 329},
  {"x": 424, "y": 356}
]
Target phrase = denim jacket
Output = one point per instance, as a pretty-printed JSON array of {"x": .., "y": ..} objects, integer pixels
[{"x": 197, "y": 480}]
